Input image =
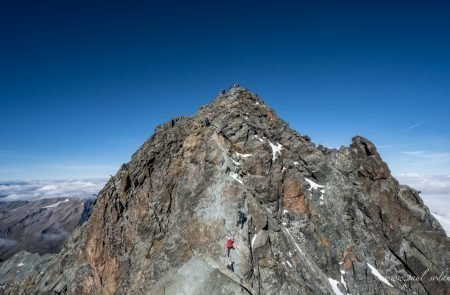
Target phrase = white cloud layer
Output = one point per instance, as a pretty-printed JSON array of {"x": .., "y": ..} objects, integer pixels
[
  {"x": 435, "y": 192},
  {"x": 427, "y": 184},
  {"x": 438, "y": 156},
  {"x": 46, "y": 189}
]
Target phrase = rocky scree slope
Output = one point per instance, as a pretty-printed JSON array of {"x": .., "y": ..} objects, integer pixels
[{"x": 319, "y": 221}]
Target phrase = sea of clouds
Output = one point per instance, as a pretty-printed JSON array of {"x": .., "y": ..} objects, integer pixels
[
  {"x": 435, "y": 191},
  {"x": 46, "y": 189}
]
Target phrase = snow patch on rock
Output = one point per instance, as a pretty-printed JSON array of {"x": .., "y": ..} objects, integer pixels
[
  {"x": 376, "y": 273},
  {"x": 243, "y": 155},
  {"x": 254, "y": 239},
  {"x": 236, "y": 177},
  {"x": 343, "y": 282},
  {"x": 259, "y": 138},
  {"x": 334, "y": 286},
  {"x": 276, "y": 149},
  {"x": 314, "y": 185},
  {"x": 56, "y": 204}
]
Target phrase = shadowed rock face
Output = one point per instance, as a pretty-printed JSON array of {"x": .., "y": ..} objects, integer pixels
[
  {"x": 39, "y": 226},
  {"x": 319, "y": 221}
]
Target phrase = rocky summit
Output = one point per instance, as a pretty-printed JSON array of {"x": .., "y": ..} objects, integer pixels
[{"x": 314, "y": 220}]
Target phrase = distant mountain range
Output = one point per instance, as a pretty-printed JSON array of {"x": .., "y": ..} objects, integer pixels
[
  {"x": 37, "y": 215},
  {"x": 39, "y": 226}
]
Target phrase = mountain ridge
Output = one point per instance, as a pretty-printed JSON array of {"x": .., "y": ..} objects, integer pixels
[{"x": 319, "y": 220}]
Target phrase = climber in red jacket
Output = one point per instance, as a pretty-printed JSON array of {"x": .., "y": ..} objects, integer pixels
[{"x": 230, "y": 246}]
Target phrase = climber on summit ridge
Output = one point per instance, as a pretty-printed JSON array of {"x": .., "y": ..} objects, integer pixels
[
  {"x": 241, "y": 219},
  {"x": 230, "y": 246}
]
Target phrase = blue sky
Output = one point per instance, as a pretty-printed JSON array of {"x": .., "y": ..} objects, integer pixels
[{"x": 84, "y": 83}]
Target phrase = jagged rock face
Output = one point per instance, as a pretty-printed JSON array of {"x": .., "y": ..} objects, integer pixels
[
  {"x": 319, "y": 221},
  {"x": 39, "y": 226}
]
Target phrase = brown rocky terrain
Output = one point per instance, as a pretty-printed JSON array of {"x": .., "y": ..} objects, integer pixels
[
  {"x": 319, "y": 220},
  {"x": 39, "y": 226}
]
